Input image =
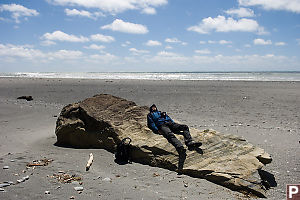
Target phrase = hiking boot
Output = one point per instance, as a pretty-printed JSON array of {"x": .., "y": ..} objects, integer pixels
[
  {"x": 193, "y": 144},
  {"x": 182, "y": 156}
]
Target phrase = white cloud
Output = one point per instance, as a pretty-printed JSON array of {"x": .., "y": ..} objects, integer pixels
[
  {"x": 13, "y": 55},
  {"x": 166, "y": 58},
  {"x": 102, "y": 38},
  {"x": 149, "y": 11},
  {"x": 95, "y": 47},
  {"x": 240, "y": 12},
  {"x": 225, "y": 42},
  {"x": 184, "y": 43},
  {"x": 260, "y": 41},
  {"x": 126, "y": 44},
  {"x": 174, "y": 40},
  {"x": 114, "y": 6},
  {"x": 21, "y": 51},
  {"x": 61, "y": 36},
  {"x": 18, "y": 11},
  {"x": 131, "y": 59},
  {"x": 137, "y": 52},
  {"x": 65, "y": 55},
  {"x": 288, "y": 5},
  {"x": 203, "y": 51},
  {"x": 168, "y": 47},
  {"x": 83, "y": 13},
  {"x": 100, "y": 58},
  {"x": 75, "y": 12},
  {"x": 29, "y": 53},
  {"x": 223, "y": 24},
  {"x": 126, "y": 27},
  {"x": 249, "y": 62},
  {"x": 247, "y": 45},
  {"x": 47, "y": 43},
  {"x": 152, "y": 43},
  {"x": 280, "y": 44},
  {"x": 216, "y": 42},
  {"x": 166, "y": 53}
]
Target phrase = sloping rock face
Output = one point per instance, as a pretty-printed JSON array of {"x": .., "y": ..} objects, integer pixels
[{"x": 104, "y": 120}]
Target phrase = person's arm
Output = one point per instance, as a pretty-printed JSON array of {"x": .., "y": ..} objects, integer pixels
[
  {"x": 169, "y": 118},
  {"x": 151, "y": 124}
]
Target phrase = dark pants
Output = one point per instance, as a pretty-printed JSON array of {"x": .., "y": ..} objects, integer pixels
[{"x": 168, "y": 129}]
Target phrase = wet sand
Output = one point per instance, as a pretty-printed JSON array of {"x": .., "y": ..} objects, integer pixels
[{"x": 264, "y": 113}]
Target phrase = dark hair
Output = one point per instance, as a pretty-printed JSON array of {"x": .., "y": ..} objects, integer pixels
[{"x": 153, "y": 105}]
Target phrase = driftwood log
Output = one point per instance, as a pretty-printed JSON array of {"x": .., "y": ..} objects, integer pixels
[{"x": 90, "y": 162}]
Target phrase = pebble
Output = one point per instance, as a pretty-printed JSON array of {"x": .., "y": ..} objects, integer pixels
[
  {"x": 6, "y": 167},
  {"x": 106, "y": 179},
  {"x": 2, "y": 190},
  {"x": 12, "y": 160},
  {"x": 9, "y": 182},
  {"x": 78, "y": 188},
  {"x": 47, "y": 192},
  {"x": 185, "y": 185},
  {"x": 20, "y": 180},
  {"x": 25, "y": 178},
  {"x": 4, "y": 185},
  {"x": 72, "y": 197},
  {"x": 97, "y": 178}
]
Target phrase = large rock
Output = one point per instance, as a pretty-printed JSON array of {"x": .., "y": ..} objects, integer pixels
[{"x": 104, "y": 120}]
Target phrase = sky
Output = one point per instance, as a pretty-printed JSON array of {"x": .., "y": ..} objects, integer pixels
[{"x": 149, "y": 35}]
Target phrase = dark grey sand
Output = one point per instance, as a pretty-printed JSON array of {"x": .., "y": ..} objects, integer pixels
[{"x": 265, "y": 113}]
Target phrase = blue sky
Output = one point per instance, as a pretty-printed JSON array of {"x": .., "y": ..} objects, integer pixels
[{"x": 149, "y": 35}]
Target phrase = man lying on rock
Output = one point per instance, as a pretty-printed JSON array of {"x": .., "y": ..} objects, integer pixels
[{"x": 160, "y": 123}]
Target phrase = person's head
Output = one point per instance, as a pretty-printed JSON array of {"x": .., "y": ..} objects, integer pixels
[{"x": 153, "y": 108}]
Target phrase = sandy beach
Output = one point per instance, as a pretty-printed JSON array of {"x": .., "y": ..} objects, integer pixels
[{"x": 264, "y": 113}]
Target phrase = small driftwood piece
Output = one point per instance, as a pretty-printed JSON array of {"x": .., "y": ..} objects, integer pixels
[
  {"x": 89, "y": 163},
  {"x": 43, "y": 162},
  {"x": 28, "y": 98}
]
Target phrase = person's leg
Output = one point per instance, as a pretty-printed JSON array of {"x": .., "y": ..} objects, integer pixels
[
  {"x": 170, "y": 136},
  {"x": 183, "y": 130}
]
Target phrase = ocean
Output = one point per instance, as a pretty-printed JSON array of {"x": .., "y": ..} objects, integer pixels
[{"x": 224, "y": 76}]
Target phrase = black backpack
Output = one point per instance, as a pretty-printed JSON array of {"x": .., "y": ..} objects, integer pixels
[{"x": 123, "y": 154}]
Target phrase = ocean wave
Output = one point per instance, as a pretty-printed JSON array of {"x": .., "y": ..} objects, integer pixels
[{"x": 223, "y": 76}]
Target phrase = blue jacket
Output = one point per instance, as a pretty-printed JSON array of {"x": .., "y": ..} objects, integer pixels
[{"x": 155, "y": 120}]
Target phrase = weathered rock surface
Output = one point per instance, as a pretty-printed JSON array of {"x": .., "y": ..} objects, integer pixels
[{"x": 104, "y": 120}]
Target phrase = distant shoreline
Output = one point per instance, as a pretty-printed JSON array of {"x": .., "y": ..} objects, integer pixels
[{"x": 193, "y": 76}]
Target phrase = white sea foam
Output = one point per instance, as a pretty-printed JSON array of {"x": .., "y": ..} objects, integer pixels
[{"x": 228, "y": 76}]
